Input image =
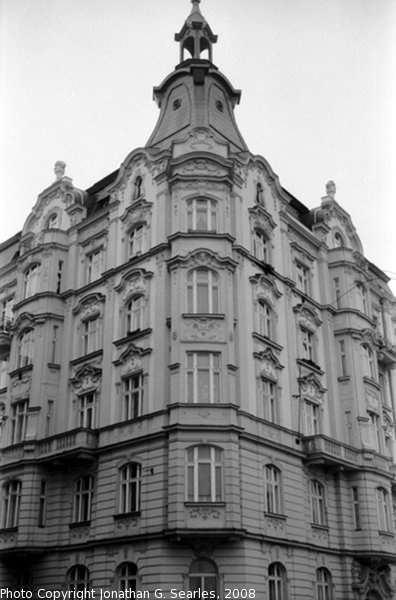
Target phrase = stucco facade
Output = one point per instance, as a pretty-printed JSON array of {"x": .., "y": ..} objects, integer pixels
[{"x": 197, "y": 383}]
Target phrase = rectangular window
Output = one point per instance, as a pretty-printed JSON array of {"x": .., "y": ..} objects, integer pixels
[
  {"x": 383, "y": 507},
  {"x": 130, "y": 486},
  {"x": 90, "y": 335},
  {"x": 3, "y": 373},
  {"x": 337, "y": 292},
  {"x": 318, "y": 507},
  {"x": 268, "y": 399},
  {"x": 48, "y": 417},
  {"x": 94, "y": 265},
  {"x": 54, "y": 341},
  {"x": 260, "y": 246},
  {"x": 343, "y": 358},
  {"x": 307, "y": 340},
  {"x": 356, "y": 507},
  {"x": 202, "y": 215},
  {"x": 59, "y": 277},
  {"x": 204, "y": 474},
  {"x": 86, "y": 411},
  {"x": 11, "y": 502},
  {"x": 31, "y": 281},
  {"x": 132, "y": 397},
  {"x": 272, "y": 496},
  {"x": 203, "y": 377},
  {"x": 302, "y": 278},
  {"x": 311, "y": 418},
  {"x": 83, "y": 495},
  {"x": 375, "y": 431},
  {"x": 42, "y": 503},
  {"x": 19, "y": 417},
  {"x": 136, "y": 241}
]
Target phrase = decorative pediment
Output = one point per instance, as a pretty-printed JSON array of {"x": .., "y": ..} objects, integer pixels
[
  {"x": 311, "y": 388},
  {"x": 87, "y": 377},
  {"x": 130, "y": 359},
  {"x": 20, "y": 385},
  {"x": 307, "y": 316},
  {"x": 89, "y": 305},
  {"x": 202, "y": 257},
  {"x": 368, "y": 337},
  {"x": 268, "y": 363},
  {"x": 337, "y": 218},
  {"x": 24, "y": 321},
  {"x": 265, "y": 288},
  {"x": 134, "y": 282},
  {"x": 137, "y": 213},
  {"x": 200, "y": 166}
]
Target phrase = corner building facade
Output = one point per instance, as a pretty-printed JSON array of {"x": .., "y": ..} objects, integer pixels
[{"x": 197, "y": 385}]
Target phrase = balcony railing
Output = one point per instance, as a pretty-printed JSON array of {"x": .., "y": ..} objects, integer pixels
[
  {"x": 71, "y": 445},
  {"x": 321, "y": 449}
]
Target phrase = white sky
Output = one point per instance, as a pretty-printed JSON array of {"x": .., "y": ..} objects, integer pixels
[{"x": 318, "y": 80}]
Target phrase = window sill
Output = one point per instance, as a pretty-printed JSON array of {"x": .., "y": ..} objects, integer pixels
[
  {"x": 133, "y": 335},
  {"x": 203, "y": 315},
  {"x": 21, "y": 370},
  {"x": 344, "y": 378},
  {"x": 389, "y": 534},
  {"x": 89, "y": 356},
  {"x": 279, "y": 516},
  {"x": 9, "y": 529},
  {"x": 131, "y": 515},
  {"x": 189, "y": 503},
  {"x": 320, "y": 527},
  {"x": 77, "y": 524},
  {"x": 266, "y": 340}
]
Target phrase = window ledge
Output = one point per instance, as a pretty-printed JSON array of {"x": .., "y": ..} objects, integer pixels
[
  {"x": 344, "y": 378},
  {"x": 279, "y": 516},
  {"x": 77, "y": 524},
  {"x": 203, "y": 315},
  {"x": 389, "y": 534},
  {"x": 133, "y": 335},
  {"x": 89, "y": 356},
  {"x": 127, "y": 515},
  {"x": 21, "y": 370},
  {"x": 189, "y": 503},
  {"x": 8, "y": 529},
  {"x": 320, "y": 527}
]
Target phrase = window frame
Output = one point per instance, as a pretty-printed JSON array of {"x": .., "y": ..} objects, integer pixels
[
  {"x": 90, "y": 334},
  {"x": 78, "y": 578},
  {"x": 127, "y": 580},
  {"x": 197, "y": 470},
  {"x": 130, "y": 488},
  {"x": 261, "y": 246},
  {"x": 268, "y": 397},
  {"x": 87, "y": 410},
  {"x": 132, "y": 396},
  {"x": 323, "y": 584},
  {"x": 317, "y": 499},
  {"x": 384, "y": 510},
  {"x": 277, "y": 581},
  {"x": 203, "y": 295},
  {"x": 19, "y": 420},
  {"x": 272, "y": 490},
  {"x": 203, "y": 576},
  {"x": 94, "y": 264},
  {"x": 12, "y": 492},
  {"x": 25, "y": 348},
  {"x": 265, "y": 319},
  {"x": 135, "y": 314},
  {"x": 203, "y": 378},
  {"x": 208, "y": 215},
  {"x": 311, "y": 417},
  {"x": 136, "y": 240},
  {"x": 83, "y": 492},
  {"x": 307, "y": 344},
  {"x": 303, "y": 278}
]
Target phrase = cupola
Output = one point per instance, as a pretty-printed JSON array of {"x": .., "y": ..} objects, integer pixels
[{"x": 196, "y": 36}]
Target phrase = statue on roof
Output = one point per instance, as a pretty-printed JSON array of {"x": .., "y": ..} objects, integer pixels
[
  {"x": 59, "y": 169},
  {"x": 331, "y": 189}
]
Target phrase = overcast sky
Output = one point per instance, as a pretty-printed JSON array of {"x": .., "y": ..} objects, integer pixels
[{"x": 318, "y": 80}]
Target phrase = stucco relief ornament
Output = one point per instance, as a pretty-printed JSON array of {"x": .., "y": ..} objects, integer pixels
[
  {"x": 331, "y": 189},
  {"x": 59, "y": 169}
]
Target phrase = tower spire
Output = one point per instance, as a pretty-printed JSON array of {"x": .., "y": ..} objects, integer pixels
[{"x": 196, "y": 35}]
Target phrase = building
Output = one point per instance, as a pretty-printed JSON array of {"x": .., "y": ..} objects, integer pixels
[{"x": 197, "y": 385}]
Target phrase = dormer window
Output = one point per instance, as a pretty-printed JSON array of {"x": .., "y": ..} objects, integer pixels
[{"x": 52, "y": 221}]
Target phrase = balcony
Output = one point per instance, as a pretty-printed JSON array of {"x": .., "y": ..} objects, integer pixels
[
  {"x": 71, "y": 446},
  {"x": 325, "y": 451},
  {"x": 5, "y": 337},
  {"x": 322, "y": 450},
  {"x": 386, "y": 352}
]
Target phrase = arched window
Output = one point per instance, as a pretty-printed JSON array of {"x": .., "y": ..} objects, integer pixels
[
  {"x": 11, "y": 501},
  {"x": 203, "y": 577},
  {"x": 136, "y": 240},
  {"x": 135, "y": 314},
  {"x": 317, "y": 501},
  {"x": 31, "y": 281},
  {"x": 78, "y": 579},
  {"x": 52, "y": 221},
  {"x": 264, "y": 319},
  {"x": 277, "y": 582},
  {"x": 130, "y": 488},
  {"x": 25, "y": 348},
  {"x": 338, "y": 241},
  {"x": 202, "y": 291},
  {"x": 126, "y": 577},
  {"x": 259, "y": 194},
  {"x": 204, "y": 474},
  {"x": 324, "y": 587},
  {"x": 272, "y": 489},
  {"x": 384, "y": 510},
  {"x": 202, "y": 214},
  {"x": 137, "y": 187},
  {"x": 261, "y": 246},
  {"x": 368, "y": 361},
  {"x": 82, "y": 499}
]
